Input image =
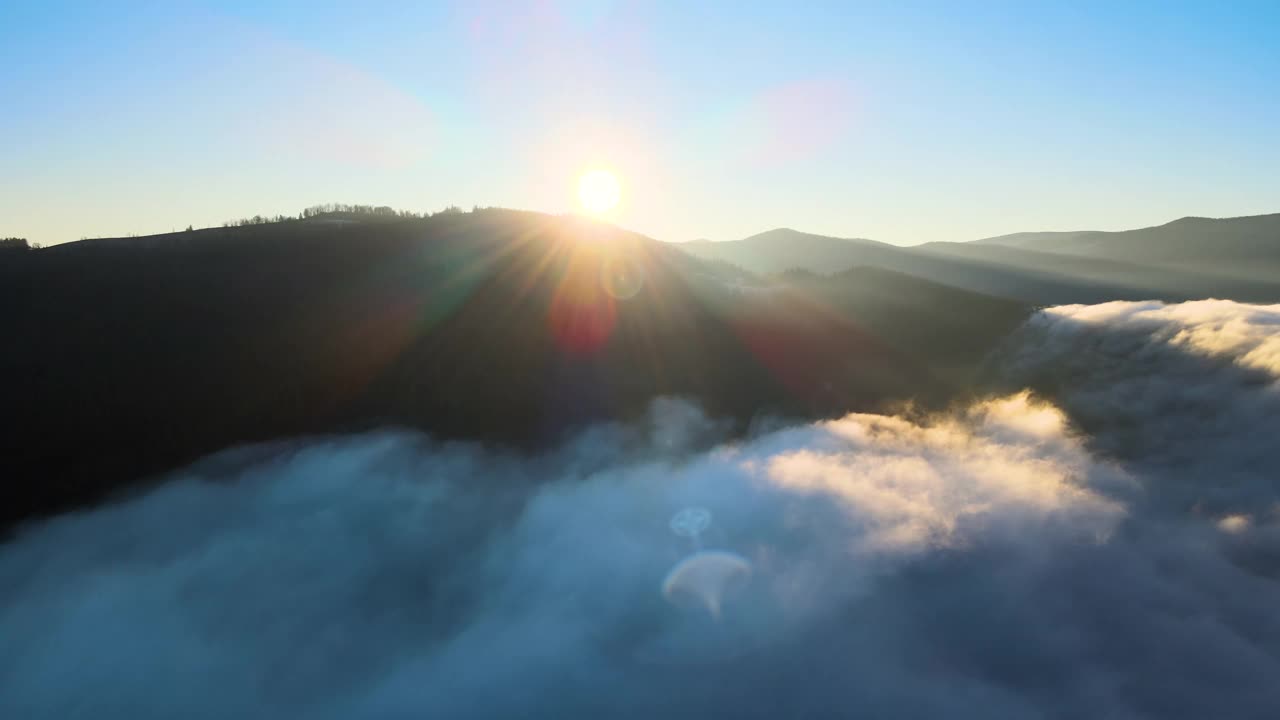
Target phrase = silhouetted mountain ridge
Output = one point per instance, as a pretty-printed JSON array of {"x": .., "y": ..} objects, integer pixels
[{"x": 127, "y": 357}]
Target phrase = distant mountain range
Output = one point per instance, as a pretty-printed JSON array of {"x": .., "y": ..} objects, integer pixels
[
  {"x": 1235, "y": 242},
  {"x": 1236, "y": 258}
]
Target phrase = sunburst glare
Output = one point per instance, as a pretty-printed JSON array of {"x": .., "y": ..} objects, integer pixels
[{"x": 599, "y": 191}]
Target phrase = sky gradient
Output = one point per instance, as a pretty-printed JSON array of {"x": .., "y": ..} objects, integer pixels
[{"x": 905, "y": 122}]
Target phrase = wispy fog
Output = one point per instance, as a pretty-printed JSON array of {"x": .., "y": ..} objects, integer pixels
[{"x": 1109, "y": 551}]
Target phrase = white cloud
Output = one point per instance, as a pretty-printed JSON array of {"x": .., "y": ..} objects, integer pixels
[{"x": 992, "y": 563}]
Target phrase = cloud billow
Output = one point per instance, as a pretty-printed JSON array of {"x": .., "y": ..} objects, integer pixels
[{"x": 992, "y": 563}]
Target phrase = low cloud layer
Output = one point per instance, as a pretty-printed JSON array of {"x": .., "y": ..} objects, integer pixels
[
  {"x": 1112, "y": 554},
  {"x": 1189, "y": 393}
]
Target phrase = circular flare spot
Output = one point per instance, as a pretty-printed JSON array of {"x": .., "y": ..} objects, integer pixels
[
  {"x": 622, "y": 278},
  {"x": 691, "y": 521},
  {"x": 706, "y": 579}
]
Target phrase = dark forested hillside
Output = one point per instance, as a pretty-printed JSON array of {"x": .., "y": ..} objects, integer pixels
[
  {"x": 952, "y": 330},
  {"x": 128, "y": 357}
]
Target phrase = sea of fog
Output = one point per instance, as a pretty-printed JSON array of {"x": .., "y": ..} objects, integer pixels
[{"x": 1104, "y": 546}]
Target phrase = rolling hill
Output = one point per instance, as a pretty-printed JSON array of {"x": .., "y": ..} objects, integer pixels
[
  {"x": 1248, "y": 245},
  {"x": 1186, "y": 259}
]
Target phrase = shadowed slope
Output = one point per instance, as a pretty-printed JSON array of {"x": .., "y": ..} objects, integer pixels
[
  {"x": 130, "y": 356},
  {"x": 950, "y": 330}
]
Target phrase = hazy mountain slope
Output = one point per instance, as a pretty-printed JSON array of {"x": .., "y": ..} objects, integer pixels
[
  {"x": 1227, "y": 243},
  {"x": 1052, "y": 241},
  {"x": 128, "y": 357},
  {"x": 784, "y": 249},
  {"x": 781, "y": 250},
  {"x": 1028, "y": 275},
  {"x": 1128, "y": 280}
]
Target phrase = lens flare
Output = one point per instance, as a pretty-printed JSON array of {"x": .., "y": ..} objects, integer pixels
[
  {"x": 705, "y": 579},
  {"x": 621, "y": 277}
]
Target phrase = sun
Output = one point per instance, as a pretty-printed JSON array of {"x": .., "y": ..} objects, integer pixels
[{"x": 599, "y": 191}]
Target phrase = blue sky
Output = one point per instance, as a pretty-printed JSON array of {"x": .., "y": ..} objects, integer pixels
[{"x": 901, "y": 121}]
